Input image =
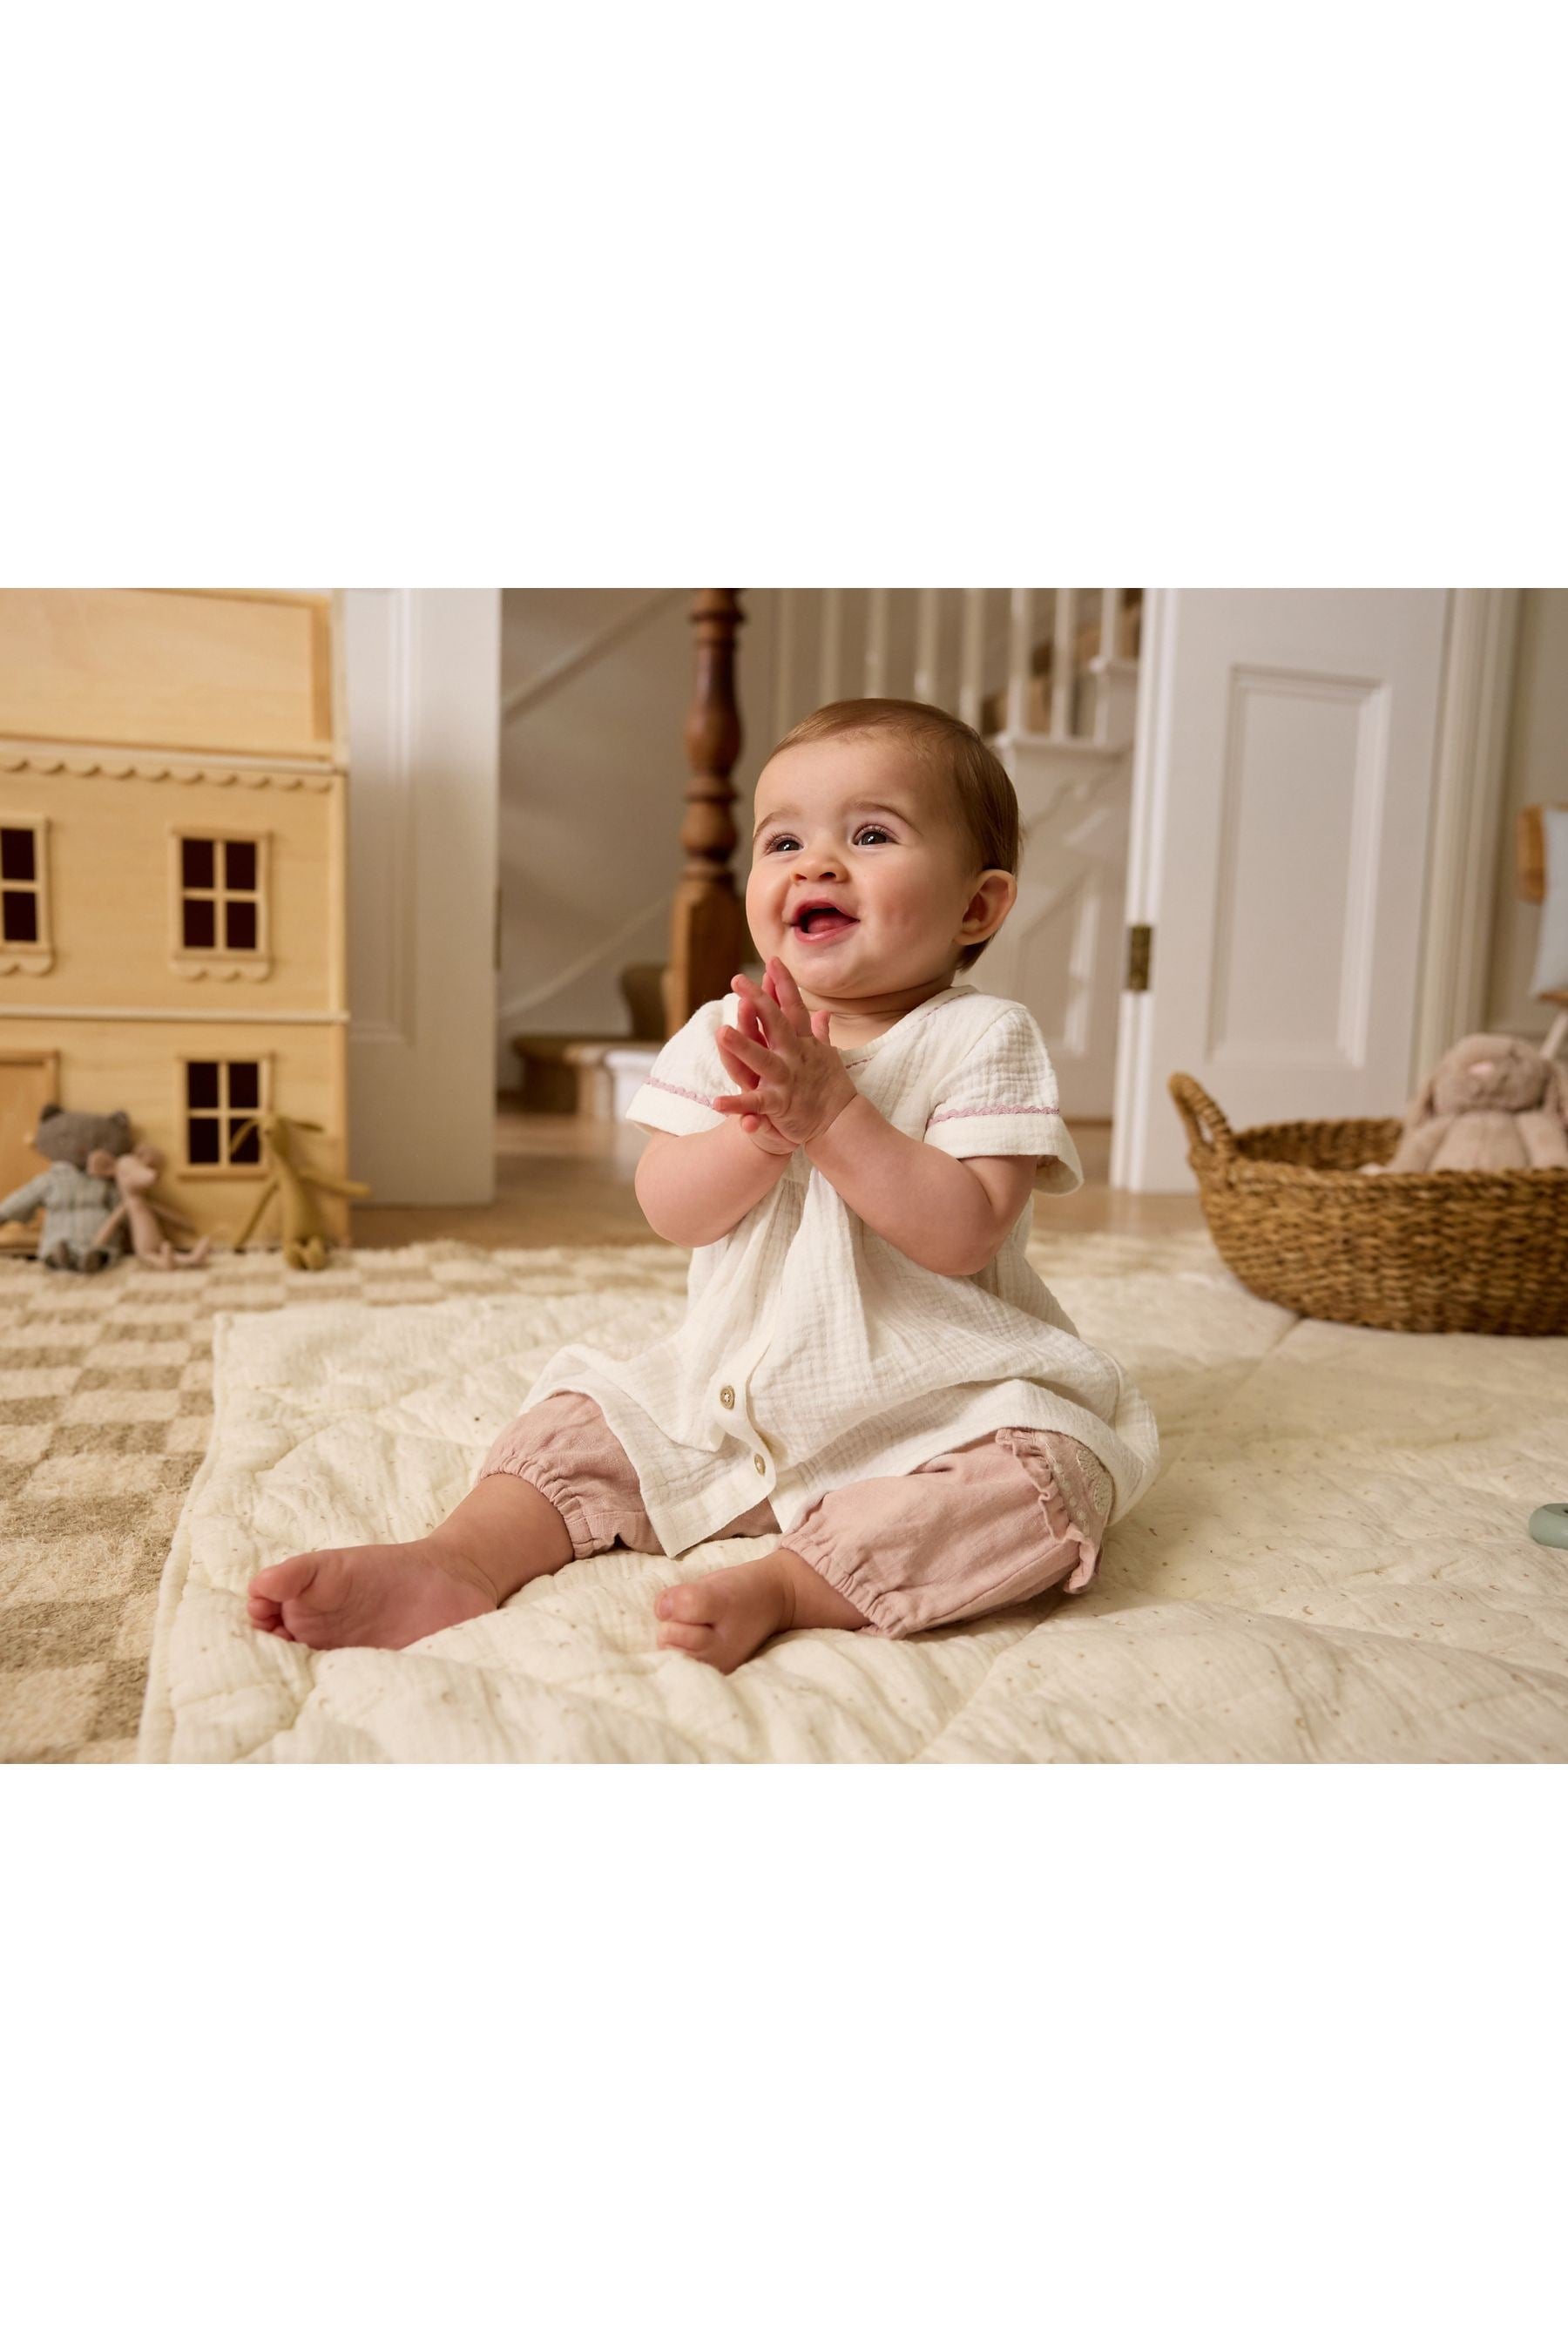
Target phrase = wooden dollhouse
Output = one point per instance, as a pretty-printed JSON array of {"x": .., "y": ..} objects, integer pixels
[{"x": 173, "y": 805}]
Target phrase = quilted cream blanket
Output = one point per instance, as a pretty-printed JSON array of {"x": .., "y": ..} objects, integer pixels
[{"x": 1332, "y": 1566}]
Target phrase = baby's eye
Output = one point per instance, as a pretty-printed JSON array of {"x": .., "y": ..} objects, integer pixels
[
  {"x": 779, "y": 841},
  {"x": 874, "y": 828}
]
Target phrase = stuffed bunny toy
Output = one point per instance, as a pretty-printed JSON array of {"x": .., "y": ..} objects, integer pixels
[
  {"x": 1491, "y": 1102},
  {"x": 136, "y": 1173}
]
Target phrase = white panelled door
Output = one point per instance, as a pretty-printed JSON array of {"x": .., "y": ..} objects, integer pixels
[
  {"x": 1282, "y": 793},
  {"x": 423, "y": 691}
]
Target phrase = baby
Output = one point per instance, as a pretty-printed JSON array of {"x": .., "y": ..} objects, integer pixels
[{"x": 869, "y": 1369}]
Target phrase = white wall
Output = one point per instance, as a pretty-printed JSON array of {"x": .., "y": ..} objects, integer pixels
[
  {"x": 422, "y": 668},
  {"x": 1537, "y": 771}
]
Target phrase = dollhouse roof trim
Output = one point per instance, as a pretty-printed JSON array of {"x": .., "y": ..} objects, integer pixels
[{"x": 39, "y": 759}]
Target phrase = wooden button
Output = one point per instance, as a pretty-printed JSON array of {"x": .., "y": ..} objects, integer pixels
[
  {"x": 726, "y": 1398},
  {"x": 762, "y": 1466}
]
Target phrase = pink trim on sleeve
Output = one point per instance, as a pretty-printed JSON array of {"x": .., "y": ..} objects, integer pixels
[
  {"x": 664, "y": 1087},
  {"x": 999, "y": 1110}
]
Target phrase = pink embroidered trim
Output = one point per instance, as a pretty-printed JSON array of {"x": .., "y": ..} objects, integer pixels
[
  {"x": 685, "y": 1092},
  {"x": 999, "y": 1110}
]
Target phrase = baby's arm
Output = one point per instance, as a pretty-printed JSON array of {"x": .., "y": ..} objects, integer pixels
[
  {"x": 696, "y": 1188},
  {"x": 949, "y": 1215}
]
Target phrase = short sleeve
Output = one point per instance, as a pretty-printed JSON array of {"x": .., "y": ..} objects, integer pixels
[
  {"x": 1001, "y": 1103},
  {"x": 677, "y": 1096}
]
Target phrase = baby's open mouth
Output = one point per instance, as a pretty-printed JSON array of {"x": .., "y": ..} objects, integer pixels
[{"x": 823, "y": 922}]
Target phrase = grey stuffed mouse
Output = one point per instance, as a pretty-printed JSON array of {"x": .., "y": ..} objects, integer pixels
[{"x": 75, "y": 1201}]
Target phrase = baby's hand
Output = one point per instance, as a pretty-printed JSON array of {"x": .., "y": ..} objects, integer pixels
[
  {"x": 762, "y": 1131},
  {"x": 796, "y": 1079}
]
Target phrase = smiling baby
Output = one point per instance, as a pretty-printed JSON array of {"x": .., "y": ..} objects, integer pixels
[{"x": 869, "y": 1368}]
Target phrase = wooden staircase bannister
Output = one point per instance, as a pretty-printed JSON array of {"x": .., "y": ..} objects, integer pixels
[{"x": 708, "y": 928}]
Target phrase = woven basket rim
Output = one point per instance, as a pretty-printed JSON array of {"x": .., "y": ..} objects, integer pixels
[{"x": 1240, "y": 1161}]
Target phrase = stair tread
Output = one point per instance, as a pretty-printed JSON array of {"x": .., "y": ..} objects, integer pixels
[{"x": 575, "y": 1049}]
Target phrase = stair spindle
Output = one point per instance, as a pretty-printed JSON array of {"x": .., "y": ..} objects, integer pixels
[
  {"x": 972, "y": 657},
  {"x": 1063, "y": 662},
  {"x": 1020, "y": 639},
  {"x": 877, "y": 642},
  {"x": 831, "y": 641},
  {"x": 707, "y": 929},
  {"x": 1109, "y": 646},
  {"x": 786, "y": 712},
  {"x": 928, "y": 624}
]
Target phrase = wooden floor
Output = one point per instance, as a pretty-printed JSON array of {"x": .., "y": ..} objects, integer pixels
[{"x": 567, "y": 1183}]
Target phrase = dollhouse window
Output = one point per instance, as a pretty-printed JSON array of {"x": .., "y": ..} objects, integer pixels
[
  {"x": 24, "y": 896},
  {"x": 220, "y": 897},
  {"x": 222, "y": 1099}
]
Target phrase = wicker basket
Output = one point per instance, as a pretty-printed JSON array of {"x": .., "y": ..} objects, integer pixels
[{"x": 1294, "y": 1221}]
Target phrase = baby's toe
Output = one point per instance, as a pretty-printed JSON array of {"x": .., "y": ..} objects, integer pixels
[
  {"x": 685, "y": 1604},
  {"x": 695, "y": 1641},
  {"x": 287, "y": 1579},
  {"x": 265, "y": 1613}
]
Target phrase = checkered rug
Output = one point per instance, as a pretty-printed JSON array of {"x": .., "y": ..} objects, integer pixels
[{"x": 105, "y": 1413}]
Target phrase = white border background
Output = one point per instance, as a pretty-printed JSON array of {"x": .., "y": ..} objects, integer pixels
[{"x": 799, "y": 295}]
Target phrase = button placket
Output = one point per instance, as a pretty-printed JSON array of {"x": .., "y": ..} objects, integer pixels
[{"x": 732, "y": 1399}]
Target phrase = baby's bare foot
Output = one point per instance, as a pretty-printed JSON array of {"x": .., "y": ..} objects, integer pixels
[
  {"x": 373, "y": 1597},
  {"x": 725, "y": 1618}
]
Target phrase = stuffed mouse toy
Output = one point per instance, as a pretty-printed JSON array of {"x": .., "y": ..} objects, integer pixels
[
  {"x": 74, "y": 1201},
  {"x": 1491, "y": 1102}
]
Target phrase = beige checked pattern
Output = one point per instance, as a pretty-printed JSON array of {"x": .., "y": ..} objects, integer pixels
[{"x": 105, "y": 1413}]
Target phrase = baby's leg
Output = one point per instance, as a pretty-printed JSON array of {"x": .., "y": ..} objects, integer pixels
[
  {"x": 554, "y": 1486},
  {"x": 384, "y": 1596},
  {"x": 987, "y": 1526}
]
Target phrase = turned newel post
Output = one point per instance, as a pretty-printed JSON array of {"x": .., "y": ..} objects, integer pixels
[{"x": 707, "y": 929}]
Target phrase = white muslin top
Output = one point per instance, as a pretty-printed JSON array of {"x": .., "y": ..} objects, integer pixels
[{"x": 814, "y": 1353}]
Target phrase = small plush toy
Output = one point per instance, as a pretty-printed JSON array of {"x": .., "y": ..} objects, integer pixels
[
  {"x": 74, "y": 1201},
  {"x": 136, "y": 1173},
  {"x": 305, "y": 1246},
  {"x": 1491, "y": 1102}
]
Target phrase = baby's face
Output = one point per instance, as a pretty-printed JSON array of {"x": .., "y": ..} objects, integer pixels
[{"x": 854, "y": 822}]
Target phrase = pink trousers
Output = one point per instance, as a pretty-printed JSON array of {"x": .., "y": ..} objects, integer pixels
[{"x": 986, "y": 1527}]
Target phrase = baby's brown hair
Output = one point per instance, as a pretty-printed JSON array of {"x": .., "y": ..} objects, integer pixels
[{"x": 986, "y": 801}]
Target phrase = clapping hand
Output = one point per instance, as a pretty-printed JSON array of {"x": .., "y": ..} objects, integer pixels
[
  {"x": 795, "y": 1084},
  {"x": 761, "y": 1129}
]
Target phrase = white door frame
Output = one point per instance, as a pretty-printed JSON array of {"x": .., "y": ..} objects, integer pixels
[
  {"x": 1146, "y": 849},
  {"x": 1466, "y": 812}
]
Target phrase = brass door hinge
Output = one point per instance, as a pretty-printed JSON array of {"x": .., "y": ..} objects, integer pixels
[{"x": 1140, "y": 950}]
